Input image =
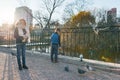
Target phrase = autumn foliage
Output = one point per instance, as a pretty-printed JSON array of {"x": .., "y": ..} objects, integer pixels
[
  {"x": 78, "y": 37},
  {"x": 82, "y": 19}
]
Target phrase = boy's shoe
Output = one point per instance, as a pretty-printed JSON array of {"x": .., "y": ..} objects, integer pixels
[
  {"x": 56, "y": 61},
  {"x": 25, "y": 67},
  {"x": 20, "y": 67}
]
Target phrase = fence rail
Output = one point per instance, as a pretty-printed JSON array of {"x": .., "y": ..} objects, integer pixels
[{"x": 103, "y": 45}]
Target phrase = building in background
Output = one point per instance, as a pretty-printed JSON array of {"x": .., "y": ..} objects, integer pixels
[
  {"x": 24, "y": 13},
  {"x": 112, "y": 14}
]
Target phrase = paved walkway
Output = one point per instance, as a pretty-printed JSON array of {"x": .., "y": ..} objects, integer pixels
[{"x": 41, "y": 68}]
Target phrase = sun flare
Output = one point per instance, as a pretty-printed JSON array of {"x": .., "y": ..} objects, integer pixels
[{"x": 6, "y": 16}]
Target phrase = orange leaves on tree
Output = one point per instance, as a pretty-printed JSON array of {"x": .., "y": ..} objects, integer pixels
[{"x": 82, "y": 19}]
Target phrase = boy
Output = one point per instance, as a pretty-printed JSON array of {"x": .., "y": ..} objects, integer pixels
[{"x": 55, "y": 44}]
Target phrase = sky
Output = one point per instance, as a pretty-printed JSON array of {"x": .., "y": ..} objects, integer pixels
[
  {"x": 107, "y": 4},
  {"x": 7, "y": 7}
]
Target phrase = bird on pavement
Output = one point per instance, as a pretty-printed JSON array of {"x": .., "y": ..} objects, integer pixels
[
  {"x": 66, "y": 68},
  {"x": 81, "y": 71}
]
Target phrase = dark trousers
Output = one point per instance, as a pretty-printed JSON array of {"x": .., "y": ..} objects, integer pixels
[
  {"x": 21, "y": 48},
  {"x": 54, "y": 52}
]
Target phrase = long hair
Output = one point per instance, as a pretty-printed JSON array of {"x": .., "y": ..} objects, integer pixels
[{"x": 23, "y": 20}]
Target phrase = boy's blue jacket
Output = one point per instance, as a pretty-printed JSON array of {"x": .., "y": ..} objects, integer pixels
[{"x": 55, "y": 38}]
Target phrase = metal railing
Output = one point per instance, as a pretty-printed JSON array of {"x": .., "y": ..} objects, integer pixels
[{"x": 103, "y": 45}]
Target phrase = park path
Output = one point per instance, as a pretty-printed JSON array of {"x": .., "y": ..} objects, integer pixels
[{"x": 41, "y": 68}]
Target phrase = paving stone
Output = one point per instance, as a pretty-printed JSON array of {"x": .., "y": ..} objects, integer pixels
[{"x": 41, "y": 68}]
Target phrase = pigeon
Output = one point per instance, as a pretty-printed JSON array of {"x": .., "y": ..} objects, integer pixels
[
  {"x": 66, "y": 68},
  {"x": 80, "y": 71},
  {"x": 89, "y": 67},
  {"x": 81, "y": 57}
]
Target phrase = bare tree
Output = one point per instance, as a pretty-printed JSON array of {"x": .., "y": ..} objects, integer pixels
[
  {"x": 74, "y": 7},
  {"x": 100, "y": 14},
  {"x": 40, "y": 18},
  {"x": 81, "y": 5},
  {"x": 50, "y": 6},
  {"x": 68, "y": 12}
]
